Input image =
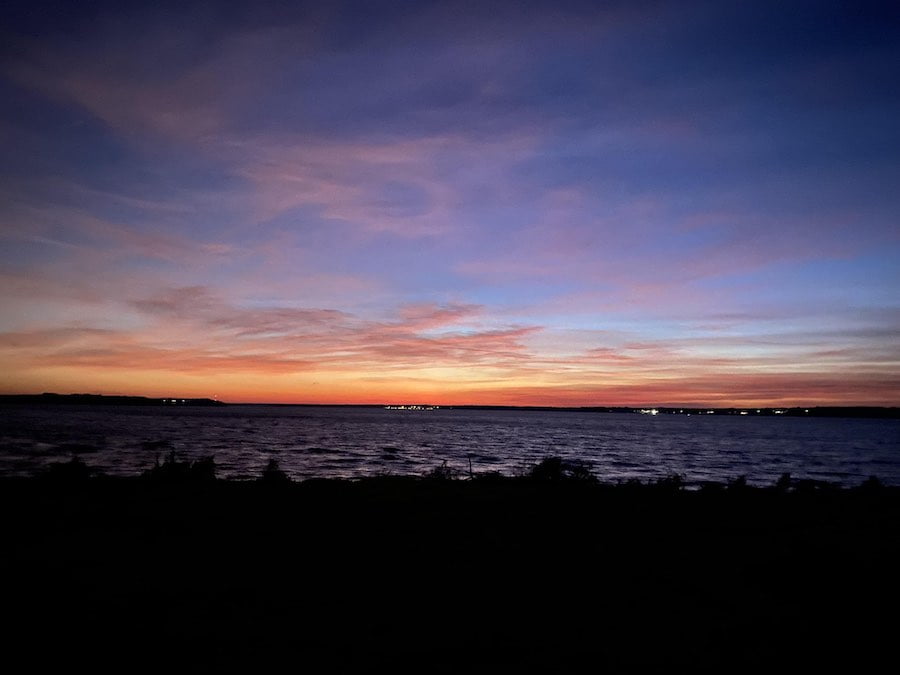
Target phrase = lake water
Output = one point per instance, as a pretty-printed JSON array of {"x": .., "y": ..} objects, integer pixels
[{"x": 351, "y": 442}]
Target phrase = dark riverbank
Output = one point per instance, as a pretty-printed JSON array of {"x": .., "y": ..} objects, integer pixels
[{"x": 448, "y": 576}]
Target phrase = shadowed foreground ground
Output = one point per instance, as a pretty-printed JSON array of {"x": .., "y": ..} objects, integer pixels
[{"x": 446, "y": 576}]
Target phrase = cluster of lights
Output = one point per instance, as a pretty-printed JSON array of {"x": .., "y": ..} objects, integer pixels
[{"x": 411, "y": 407}]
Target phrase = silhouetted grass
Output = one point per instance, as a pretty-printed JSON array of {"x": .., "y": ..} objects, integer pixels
[
  {"x": 457, "y": 572},
  {"x": 552, "y": 469}
]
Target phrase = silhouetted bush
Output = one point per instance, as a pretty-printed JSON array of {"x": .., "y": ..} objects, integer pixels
[
  {"x": 204, "y": 469},
  {"x": 555, "y": 469},
  {"x": 807, "y": 485},
  {"x": 489, "y": 476},
  {"x": 442, "y": 472},
  {"x": 73, "y": 470},
  {"x": 549, "y": 468},
  {"x": 630, "y": 484},
  {"x": 784, "y": 483},
  {"x": 871, "y": 484},
  {"x": 673, "y": 482},
  {"x": 581, "y": 471},
  {"x": 273, "y": 473},
  {"x": 737, "y": 484},
  {"x": 174, "y": 471}
]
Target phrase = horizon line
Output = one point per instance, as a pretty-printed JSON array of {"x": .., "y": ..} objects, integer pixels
[{"x": 643, "y": 406}]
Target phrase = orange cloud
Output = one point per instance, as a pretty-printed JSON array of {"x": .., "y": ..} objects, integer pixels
[{"x": 194, "y": 341}]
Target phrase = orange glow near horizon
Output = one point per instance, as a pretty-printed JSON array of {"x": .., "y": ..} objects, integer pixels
[
  {"x": 705, "y": 391},
  {"x": 190, "y": 343}
]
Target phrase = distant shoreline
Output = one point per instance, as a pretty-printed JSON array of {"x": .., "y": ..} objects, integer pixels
[
  {"x": 874, "y": 412},
  {"x": 103, "y": 400}
]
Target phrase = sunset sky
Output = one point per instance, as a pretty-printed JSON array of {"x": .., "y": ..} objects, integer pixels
[{"x": 624, "y": 203}]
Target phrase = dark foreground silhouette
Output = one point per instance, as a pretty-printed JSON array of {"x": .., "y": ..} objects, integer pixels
[{"x": 549, "y": 572}]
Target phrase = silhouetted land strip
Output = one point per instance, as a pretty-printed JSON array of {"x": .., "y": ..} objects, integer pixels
[
  {"x": 553, "y": 571},
  {"x": 104, "y": 400},
  {"x": 101, "y": 399}
]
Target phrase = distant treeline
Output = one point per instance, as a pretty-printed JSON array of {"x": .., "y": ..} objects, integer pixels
[{"x": 99, "y": 399}]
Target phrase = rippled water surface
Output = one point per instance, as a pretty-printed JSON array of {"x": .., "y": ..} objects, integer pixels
[{"x": 356, "y": 442}]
